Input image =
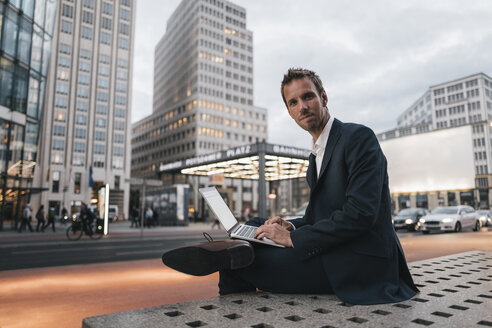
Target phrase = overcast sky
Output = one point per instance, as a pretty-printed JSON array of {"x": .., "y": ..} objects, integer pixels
[{"x": 375, "y": 57}]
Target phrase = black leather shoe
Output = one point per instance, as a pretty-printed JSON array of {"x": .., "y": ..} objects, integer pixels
[{"x": 206, "y": 258}]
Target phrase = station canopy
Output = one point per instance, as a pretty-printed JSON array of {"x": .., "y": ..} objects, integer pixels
[{"x": 243, "y": 162}]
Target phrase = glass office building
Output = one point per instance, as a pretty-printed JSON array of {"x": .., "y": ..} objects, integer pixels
[{"x": 26, "y": 29}]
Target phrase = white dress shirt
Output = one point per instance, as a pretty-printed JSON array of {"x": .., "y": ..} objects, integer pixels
[{"x": 318, "y": 146}]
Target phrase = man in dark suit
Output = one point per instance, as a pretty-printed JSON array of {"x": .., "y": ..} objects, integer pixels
[{"x": 345, "y": 243}]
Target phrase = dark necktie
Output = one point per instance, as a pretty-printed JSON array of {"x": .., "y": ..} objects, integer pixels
[{"x": 312, "y": 173}]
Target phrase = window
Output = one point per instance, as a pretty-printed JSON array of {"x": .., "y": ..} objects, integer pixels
[
  {"x": 61, "y": 102},
  {"x": 85, "y": 53},
  {"x": 101, "y": 122},
  {"x": 84, "y": 66},
  {"x": 67, "y": 10},
  {"x": 101, "y": 109},
  {"x": 105, "y": 38},
  {"x": 55, "y": 187},
  {"x": 103, "y": 70},
  {"x": 66, "y": 27},
  {"x": 80, "y": 133},
  {"x": 122, "y": 62},
  {"x": 86, "y": 32},
  {"x": 119, "y": 112},
  {"x": 59, "y": 130},
  {"x": 83, "y": 92},
  {"x": 102, "y": 96},
  {"x": 77, "y": 182},
  {"x": 123, "y": 43},
  {"x": 121, "y": 100},
  {"x": 121, "y": 86},
  {"x": 79, "y": 147},
  {"x": 62, "y": 87},
  {"x": 107, "y": 8},
  {"x": 122, "y": 75},
  {"x": 118, "y": 151},
  {"x": 63, "y": 61},
  {"x": 83, "y": 79},
  {"x": 125, "y": 14},
  {"x": 87, "y": 17},
  {"x": 99, "y": 149},
  {"x": 124, "y": 29},
  {"x": 104, "y": 58},
  {"x": 65, "y": 48},
  {"x": 119, "y": 138},
  {"x": 81, "y": 119},
  {"x": 125, "y": 3},
  {"x": 102, "y": 83},
  {"x": 100, "y": 135},
  {"x": 58, "y": 144},
  {"x": 119, "y": 125},
  {"x": 106, "y": 23}
]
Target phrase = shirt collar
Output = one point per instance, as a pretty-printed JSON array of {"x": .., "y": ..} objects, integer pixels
[{"x": 320, "y": 144}]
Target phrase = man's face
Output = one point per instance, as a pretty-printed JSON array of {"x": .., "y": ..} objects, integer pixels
[{"x": 305, "y": 105}]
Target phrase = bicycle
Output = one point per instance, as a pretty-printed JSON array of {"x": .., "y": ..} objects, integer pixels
[{"x": 77, "y": 228}]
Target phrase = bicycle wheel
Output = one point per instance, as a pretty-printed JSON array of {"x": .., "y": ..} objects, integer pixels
[
  {"x": 93, "y": 233},
  {"x": 74, "y": 233}
]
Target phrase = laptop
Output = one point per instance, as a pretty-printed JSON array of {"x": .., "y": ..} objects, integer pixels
[{"x": 229, "y": 222}]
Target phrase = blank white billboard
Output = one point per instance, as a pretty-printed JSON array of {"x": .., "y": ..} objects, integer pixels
[{"x": 437, "y": 160}]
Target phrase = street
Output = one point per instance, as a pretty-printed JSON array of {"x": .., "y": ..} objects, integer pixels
[{"x": 61, "y": 296}]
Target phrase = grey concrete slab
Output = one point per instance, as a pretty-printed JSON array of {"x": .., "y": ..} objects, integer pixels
[{"x": 456, "y": 291}]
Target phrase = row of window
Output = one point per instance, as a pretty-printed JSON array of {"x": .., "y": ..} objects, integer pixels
[
  {"x": 87, "y": 33},
  {"x": 478, "y": 142}
]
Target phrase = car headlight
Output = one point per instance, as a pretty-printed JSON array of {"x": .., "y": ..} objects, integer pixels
[
  {"x": 408, "y": 221},
  {"x": 447, "y": 220},
  {"x": 422, "y": 220}
]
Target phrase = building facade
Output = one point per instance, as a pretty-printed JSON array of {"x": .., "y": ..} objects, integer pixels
[
  {"x": 85, "y": 141},
  {"x": 447, "y": 106},
  {"x": 26, "y": 32},
  {"x": 203, "y": 90}
]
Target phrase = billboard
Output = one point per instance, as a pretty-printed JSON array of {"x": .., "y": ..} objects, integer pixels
[{"x": 432, "y": 161}]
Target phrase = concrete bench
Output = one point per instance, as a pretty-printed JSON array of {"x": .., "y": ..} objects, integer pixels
[{"x": 456, "y": 291}]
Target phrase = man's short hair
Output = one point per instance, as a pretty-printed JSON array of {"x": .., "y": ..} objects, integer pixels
[{"x": 300, "y": 73}]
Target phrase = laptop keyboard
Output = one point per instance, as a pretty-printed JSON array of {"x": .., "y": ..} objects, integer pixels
[{"x": 246, "y": 231}]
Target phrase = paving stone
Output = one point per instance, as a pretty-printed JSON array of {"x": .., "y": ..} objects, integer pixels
[{"x": 460, "y": 300}]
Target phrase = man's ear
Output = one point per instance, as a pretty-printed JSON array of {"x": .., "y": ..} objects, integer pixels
[{"x": 324, "y": 98}]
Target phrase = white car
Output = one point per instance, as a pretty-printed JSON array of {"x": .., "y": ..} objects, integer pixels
[
  {"x": 450, "y": 218},
  {"x": 485, "y": 217}
]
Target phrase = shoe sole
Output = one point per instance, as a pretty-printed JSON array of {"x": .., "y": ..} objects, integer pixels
[{"x": 198, "y": 261}]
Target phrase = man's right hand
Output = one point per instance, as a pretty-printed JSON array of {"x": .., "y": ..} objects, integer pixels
[{"x": 278, "y": 220}]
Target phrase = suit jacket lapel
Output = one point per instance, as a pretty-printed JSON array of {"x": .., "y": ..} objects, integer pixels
[{"x": 330, "y": 145}]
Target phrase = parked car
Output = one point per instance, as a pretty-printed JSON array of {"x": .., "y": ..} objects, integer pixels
[
  {"x": 408, "y": 218},
  {"x": 485, "y": 217},
  {"x": 450, "y": 218}
]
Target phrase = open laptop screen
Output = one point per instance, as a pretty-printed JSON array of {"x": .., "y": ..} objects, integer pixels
[{"x": 219, "y": 207}]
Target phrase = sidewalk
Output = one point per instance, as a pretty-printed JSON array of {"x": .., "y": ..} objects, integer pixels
[{"x": 116, "y": 229}]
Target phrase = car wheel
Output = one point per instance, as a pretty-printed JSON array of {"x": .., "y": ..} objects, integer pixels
[
  {"x": 477, "y": 226},
  {"x": 425, "y": 232},
  {"x": 457, "y": 227}
]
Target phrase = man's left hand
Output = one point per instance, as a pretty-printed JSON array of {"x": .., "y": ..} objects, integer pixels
[{"x": 274, "y": 232}]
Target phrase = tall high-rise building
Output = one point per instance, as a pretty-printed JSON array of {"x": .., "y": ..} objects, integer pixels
[
  {"x": 26, "y": 30},
  {"x": 85, "y": 141},
  {"x": 203, "y": 97},
  {"x": 203, "y": 88}
]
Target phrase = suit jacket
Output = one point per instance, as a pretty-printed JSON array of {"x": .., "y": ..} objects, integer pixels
[{"x": 348, "y": 221}]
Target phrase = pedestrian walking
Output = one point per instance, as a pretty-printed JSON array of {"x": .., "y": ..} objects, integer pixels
[
  {"x": 26, "y": 218},
  {"x": 148, "y": 217},
  {"x": 134, "y": 217},
  {"x": 51, "y": 219},
  {"x": 40, "y": 218}
]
